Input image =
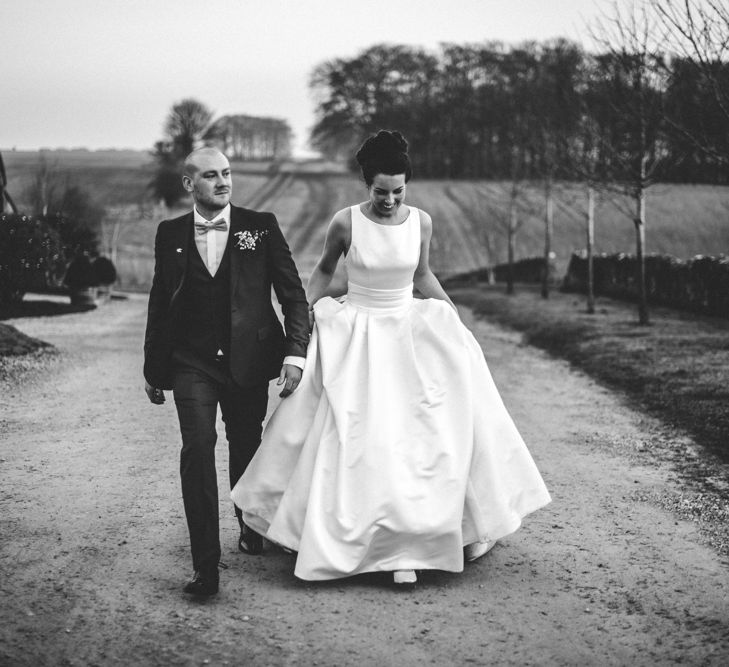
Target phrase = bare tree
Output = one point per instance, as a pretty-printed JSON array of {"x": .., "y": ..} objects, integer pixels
[
  {"x": 698, "y": 29},
  {"x": 555, "y": 109},
  {"x": 698, "y": 32},
  {"x": 509, "y": 205},
  {"x": 586, "y": 159},
  {"x": 590, "y": 246},
  {"x": 46, "y": 190},
  {"x": 513, "y": 224},
  {"x": 631, "y": 68}
]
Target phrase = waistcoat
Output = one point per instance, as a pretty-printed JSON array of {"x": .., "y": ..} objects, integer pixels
[{"x": 204, "y": 323}]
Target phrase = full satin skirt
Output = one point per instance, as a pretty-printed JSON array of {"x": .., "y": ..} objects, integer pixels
[{"x": 394, "y": 452}]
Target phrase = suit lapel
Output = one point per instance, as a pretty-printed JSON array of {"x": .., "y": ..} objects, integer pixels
[
  {"x": 237, "y": 224},
  {"x": 182, "y": 241}
]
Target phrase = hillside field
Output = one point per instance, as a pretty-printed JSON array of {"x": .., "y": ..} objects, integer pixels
[{"x": 469, "y": 216}]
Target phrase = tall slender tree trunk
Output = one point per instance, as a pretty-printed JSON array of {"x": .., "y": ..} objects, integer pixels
[
  {"x": 590, "y": 245},
  {"x": 11, "y": 203},
  {"x": 548, "y": 228},
  {"x": 511, "y": 237},
  {"x": 4, "y": 194},
  {"x": 640, "y": 256},
  {"x": 114, "y": 244}
]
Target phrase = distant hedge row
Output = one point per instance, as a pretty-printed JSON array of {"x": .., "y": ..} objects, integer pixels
[
  {"x": 528, "y": 270},
  {"x": 699, "y": 284}
]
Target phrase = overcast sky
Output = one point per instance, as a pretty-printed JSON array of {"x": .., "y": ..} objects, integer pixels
[{"x": 102, "y": 73}]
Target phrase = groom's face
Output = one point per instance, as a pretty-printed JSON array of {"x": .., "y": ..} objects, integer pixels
[{"x": 209, "y": 181}]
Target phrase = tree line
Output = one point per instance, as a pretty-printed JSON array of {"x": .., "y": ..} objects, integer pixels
[
  {"x": 243, "y": 137},
  {"x": 495, "y": 111},
  {"x": 650, "y": 102},
  {"x": 190, "y": 124}
]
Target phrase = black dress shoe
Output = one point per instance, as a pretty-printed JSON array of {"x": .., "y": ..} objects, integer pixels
[
  {"x": 249, "y": 542},
  {"x": 203, "y": 584}
]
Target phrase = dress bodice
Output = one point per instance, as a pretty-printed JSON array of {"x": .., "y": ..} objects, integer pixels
[{"x": 382, "y": 259}]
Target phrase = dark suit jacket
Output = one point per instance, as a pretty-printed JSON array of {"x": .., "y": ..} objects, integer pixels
[{"x": 258, "y": 343}]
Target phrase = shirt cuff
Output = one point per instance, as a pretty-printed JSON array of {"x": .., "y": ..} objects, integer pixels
[{"x": 295, "y": 361}]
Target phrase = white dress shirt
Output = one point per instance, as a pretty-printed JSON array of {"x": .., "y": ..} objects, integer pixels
[{"x": 211, "y": 247}]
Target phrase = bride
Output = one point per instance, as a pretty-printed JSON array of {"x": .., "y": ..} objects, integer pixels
[{"x": 396, "y": 451}]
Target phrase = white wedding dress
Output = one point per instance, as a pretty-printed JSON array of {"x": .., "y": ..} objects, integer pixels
[{"x": 396, "y": 450}]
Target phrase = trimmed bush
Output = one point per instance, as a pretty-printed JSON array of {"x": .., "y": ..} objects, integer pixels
[
  {"x": 700, "y": 284},
  {"x": 104, "y": 270},
  {"x": 528, "y": 270},
  {"x": 81, "y": 281},
  {"x": 80, "y": 273}
]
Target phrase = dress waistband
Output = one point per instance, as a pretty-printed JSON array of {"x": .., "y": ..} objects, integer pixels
[{"x": 369, "y": 297}]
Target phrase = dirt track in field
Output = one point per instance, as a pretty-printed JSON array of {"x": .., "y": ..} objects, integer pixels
[{"x": 94, "y": 552}]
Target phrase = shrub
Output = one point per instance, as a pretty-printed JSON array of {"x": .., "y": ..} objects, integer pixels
[
  {"x": 78, "y": 221},
  {"x": 71, "y": 210},
  {"x": 104, "y": 270},
  {"x": 527, "y": 270},
  {"x": 80, "y": 273},
  {"x": 31, "y": 255}
]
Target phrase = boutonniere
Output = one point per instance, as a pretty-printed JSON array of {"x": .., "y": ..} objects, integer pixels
[{"x": 248, "y": 240}]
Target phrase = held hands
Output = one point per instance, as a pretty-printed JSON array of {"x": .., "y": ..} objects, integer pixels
[
  {"x": 157, "y": 396},
  {"x": 290, "y": 377}
]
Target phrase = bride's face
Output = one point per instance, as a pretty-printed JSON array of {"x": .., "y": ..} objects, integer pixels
[{"x": 387, "y": 193}]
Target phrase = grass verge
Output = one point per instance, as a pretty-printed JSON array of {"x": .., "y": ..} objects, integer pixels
[
  {"x": 676, "y": 368},
  {"x": 14, "y": 342},
  {"x": 40, "y": 308}
]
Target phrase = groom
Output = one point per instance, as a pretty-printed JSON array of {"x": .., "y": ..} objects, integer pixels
[{"x": 214, "y": 339}]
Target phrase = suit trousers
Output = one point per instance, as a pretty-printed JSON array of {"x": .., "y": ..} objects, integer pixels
[{"x": 197, "y": 395}]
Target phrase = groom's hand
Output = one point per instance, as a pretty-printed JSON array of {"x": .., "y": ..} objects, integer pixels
[
  {"x": 157, "y": 396},
  {"x": 290, "y": 377}
]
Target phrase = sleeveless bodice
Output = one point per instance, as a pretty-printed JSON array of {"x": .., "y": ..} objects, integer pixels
[{"x": 381, "y": 260}]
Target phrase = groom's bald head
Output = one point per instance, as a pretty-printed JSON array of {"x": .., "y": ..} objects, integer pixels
[
  {"x": 206, "y": 176},
  {"x": 201, "y": 158}
]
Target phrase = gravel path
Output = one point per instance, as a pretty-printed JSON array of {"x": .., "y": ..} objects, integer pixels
[{"x": 94, "y": 551}]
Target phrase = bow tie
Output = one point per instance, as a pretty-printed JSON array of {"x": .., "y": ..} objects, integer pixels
[{"x": 204, "y": 227}]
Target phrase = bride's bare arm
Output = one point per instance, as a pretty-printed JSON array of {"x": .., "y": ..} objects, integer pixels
[
  {"x": 336, "y": 243},
  {"x": 424, "y": 280}
]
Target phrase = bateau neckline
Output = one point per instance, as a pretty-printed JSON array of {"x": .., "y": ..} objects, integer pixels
[{"x": 380, "y": 224}]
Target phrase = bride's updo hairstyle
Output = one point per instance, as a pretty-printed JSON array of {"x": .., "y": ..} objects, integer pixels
[{"x": 384, "y": 153}]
